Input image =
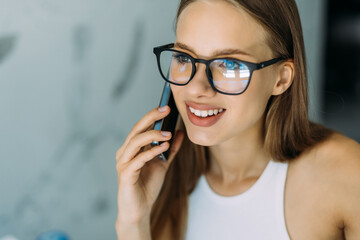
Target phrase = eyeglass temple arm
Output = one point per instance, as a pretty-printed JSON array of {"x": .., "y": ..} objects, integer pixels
[{"x": 269, "y": 62}]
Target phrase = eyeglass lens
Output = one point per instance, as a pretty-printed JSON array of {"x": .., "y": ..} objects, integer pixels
[{"x": 229, "y": 76}]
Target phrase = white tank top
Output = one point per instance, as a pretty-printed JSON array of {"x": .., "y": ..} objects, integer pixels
[{"x": 257, "y": 214}]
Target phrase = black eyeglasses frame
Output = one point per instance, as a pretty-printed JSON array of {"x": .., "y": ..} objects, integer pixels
[{"x": 252, "y": 66}]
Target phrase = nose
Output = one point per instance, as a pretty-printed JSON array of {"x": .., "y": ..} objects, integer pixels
[{"x": 199, "y": 86}]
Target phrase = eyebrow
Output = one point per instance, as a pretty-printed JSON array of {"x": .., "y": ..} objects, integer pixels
[{"x": 228, "y": 51}]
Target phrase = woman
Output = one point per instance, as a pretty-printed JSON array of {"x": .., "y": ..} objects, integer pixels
[{"x": 248, "y": 163}]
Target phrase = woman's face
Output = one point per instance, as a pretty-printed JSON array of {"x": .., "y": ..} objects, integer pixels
[{"x": 204, "y": 28}]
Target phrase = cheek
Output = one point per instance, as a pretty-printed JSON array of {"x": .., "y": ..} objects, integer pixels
[
  {"x": 179, "y": 101},
  {"x": 262, "y": 82},
  {"x": 176, "y": 90},
  {"x": 249, "y": 108},
  {"x": 260, "y": 89}
]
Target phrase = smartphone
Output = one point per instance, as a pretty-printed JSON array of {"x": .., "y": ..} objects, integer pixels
[{"x": 169, "y": 122}]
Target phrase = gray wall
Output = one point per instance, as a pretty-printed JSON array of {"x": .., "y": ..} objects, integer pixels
[
  {"x": 74, "y": 77},
  {"x": 312, "y": 15}
]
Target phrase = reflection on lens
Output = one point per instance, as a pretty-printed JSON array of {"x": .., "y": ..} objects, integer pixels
[
  {"x": 179, "y": 65},
  {"x": 230, "y": 76}
]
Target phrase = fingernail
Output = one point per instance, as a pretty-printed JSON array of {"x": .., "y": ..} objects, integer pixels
[
  {"x": 162, "y": 109},
  {"x": 163, "y": 144},
  {"x": 165, "y": 134}
]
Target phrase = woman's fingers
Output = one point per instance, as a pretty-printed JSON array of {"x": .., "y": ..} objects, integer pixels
[
  {"x": 144, "y": 124},
  {"x": 149, "y": 119},
  {"x": 132, "y": 170},
  {"x": 141, "y": 140}
]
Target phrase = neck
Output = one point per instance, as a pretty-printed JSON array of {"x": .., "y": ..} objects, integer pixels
[{"x": 238, "y": 158}]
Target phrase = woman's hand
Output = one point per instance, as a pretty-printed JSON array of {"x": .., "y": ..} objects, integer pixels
[{"x": 140, "y": 173}]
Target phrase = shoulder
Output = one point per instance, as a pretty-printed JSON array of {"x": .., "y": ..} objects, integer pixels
[
  {"x": 339, "y": 145},
  {"x": 335, "y": 166},
  {"x": 338, "y": 156}
]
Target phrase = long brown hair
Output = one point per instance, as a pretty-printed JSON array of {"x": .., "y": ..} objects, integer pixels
[{"x": 287, "y": 129}]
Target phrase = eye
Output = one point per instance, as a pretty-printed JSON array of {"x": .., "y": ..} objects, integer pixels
[
  {"x": 181, "y": 58},
  {"x": 229, "y": 64}
]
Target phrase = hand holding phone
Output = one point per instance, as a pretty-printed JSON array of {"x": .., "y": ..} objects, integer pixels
[
  {"x": 169, "y": 122},
  {"x": 140, "y": 173}
]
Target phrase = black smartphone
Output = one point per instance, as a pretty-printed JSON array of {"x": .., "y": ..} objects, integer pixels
[{"x": 169, "y": 122}]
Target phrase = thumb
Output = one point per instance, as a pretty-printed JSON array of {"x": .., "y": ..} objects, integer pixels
[{"x": 176, "y": 144}]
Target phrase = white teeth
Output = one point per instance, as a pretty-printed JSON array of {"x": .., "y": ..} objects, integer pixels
[{"x": 205, "y": 113}]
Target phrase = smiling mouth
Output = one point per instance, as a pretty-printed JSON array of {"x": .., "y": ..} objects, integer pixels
[{"x": 205, "y": 113}]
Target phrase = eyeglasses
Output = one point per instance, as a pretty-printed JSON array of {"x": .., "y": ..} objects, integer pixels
[{"x": 226, "y": 75}]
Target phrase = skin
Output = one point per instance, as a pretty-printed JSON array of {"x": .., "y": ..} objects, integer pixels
[{"x": 322, "y": 191}]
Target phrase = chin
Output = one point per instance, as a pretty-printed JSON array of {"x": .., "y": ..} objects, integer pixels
[{"x": 201, "y": 138}]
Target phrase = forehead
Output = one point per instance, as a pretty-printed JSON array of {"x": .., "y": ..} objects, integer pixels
[{"x": 208, "y": 25}]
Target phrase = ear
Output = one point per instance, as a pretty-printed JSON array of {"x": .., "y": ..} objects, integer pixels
[{"x": 285, "y": 77}]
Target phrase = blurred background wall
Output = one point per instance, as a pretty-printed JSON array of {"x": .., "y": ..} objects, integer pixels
[
  {"x": 74, "y": 78},
  {"x": 341, "y": 89}
]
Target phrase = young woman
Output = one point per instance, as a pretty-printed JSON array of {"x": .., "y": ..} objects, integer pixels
[{"x": 247, "y": 164}]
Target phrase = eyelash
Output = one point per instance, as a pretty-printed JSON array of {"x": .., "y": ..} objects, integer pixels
[{"x": 179, "y": 56}]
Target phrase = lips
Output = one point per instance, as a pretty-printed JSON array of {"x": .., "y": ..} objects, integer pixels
[
  {"x": 204, "y": 119},
  {"x": 201, "y": 106}
]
